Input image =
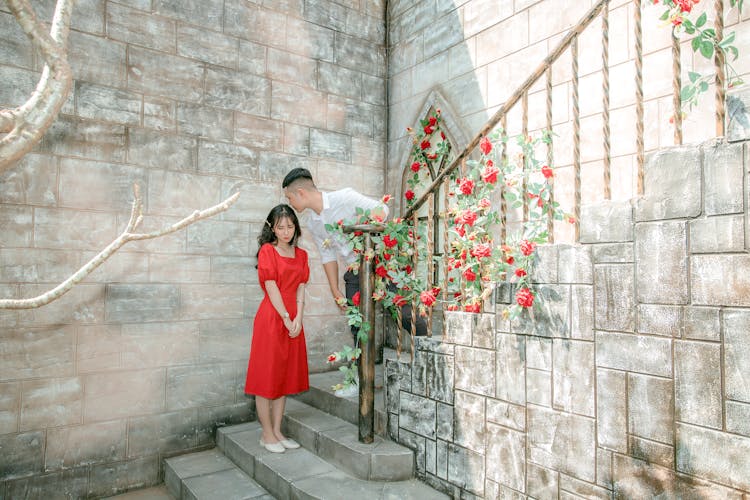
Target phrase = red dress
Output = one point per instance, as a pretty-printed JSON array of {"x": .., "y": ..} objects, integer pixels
[{"x": 278, "y": 364}]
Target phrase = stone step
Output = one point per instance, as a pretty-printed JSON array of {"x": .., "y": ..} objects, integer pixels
[
  {"x": 301, "y": 474},
  {"x": 209, "y": 475}
]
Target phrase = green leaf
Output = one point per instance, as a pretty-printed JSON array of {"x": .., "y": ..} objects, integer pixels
[
  {"x": 703, "y": 86},
  {"x": 687, "y": 92},
  {"x": 695, "y": 43},
  {"x": 694, "y": 77},
  {"x": 727, "y": 40},
  {"x": 664, "y": 16},
  {"x": 707, "y": 49},
  {"x": 701, "y": 20}
]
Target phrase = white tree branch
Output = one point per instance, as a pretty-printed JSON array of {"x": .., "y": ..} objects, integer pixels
[{"x": 135, "y": 218}]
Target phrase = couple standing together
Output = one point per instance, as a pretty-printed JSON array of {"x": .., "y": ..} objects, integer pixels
[{"x": 278, "y": 355}]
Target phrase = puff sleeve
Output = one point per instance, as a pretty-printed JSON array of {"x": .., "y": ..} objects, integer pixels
[{"x": 266, "y": 269}]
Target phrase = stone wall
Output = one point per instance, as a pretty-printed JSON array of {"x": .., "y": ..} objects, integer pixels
[
  {"x": 192, "y": 100},
  {"x": 632, "y": 381}
]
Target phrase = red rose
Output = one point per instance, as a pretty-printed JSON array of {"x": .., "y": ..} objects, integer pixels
[
  {"x": 409, "y": 195},
  {"x": 389, "y": 242},
  {"x": 520, "y": 272},
  {"x": 510, "y": 260},
  {"x": 489, "y": 175},
  {"x": 332, "y": 358},
  {"x": 415, "y": 166},
  {"x": 485, "y": 145},
  {"x": 524, "y": 297},
  {"x": 468, "y": 217},
  {"x": 427, "y": 298},
  {"x": 466, "y": 186},
  {"x": 433, "y": 121},
  {"x": 387, "y": 256},
  {"x": 527, "y": 247},
  {"x": 425, "y": 144},
  {"x": 469, "y": 275},
  {"x": 381, "y": 271},
  {"x": 407, "y": 269},
  {"x": 386, "y": 198},
  {"x": 484, "y": 203},
  {"x": 453, "y": 307},
  {"x": 355, "y": 299},
  {"x": 399, "y": 301},
  {"x": 547, "y": 172},
  {"x": 481, "y": 250},
  {"x": 472, "y": 308},
  {"x": 460, "y": 231},
  {"x": 428, "y": 130}
]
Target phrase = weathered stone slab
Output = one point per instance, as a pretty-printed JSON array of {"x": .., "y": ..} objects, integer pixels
[
  {"x": 506, "y": 414},
  {"x": 163, "y": 433},
  {"x": 310, "y": 39},
  {"x": 23, "y": 454},
  {"x": 614, "y": 297},
  {"x": 297, "y": 139},
  {"x": 110, "y": 56},
  {"x": 151, "y": 149},
  {"x": 672, "y": 185},
  {"x": 140, "y": 28},
  {"x": 571, "y": 487},
  {"x": 397, "y": 378},
  {"x": 510, "y": 368},
  {"x": 539, "y": 387},
  {"x": 433, "y": 376},
  {"x": 634, "y": 353},
  {"x": 249, "y": 21},
  {"x": 206, "y": 14},
  {"x": 98, "y": 348},
  {"x": 541, "y": 482},
  {"x": 714, "y": 455},
  {"x": 257, "y": 132},
  {"x": 293, "y": 68},
  {"x": 134, "y": 302},
  {"x": 73, "y": 229},
  {"x": 607, "y": 222},
  {"x": 546, "y": 268},
  {"x": 68, "y": 136},
  {"x": 582, "y": 312},
  {"x": 51, "y": 403},
  {"x": 723, "y": 179},
  {"x": 16, "y": 226},
  {"x": 575, "y": 264},
  {"x": 238, "y": 91},
  {"x": 219, "y": 237},
  {"x": 702, "y": 323},
  {"x": 698, "y": 392},
  {"x": 660, "y": 320},
  {"x": 107, "y": 104},
  {"x": 445, "y": 418},
  {"x": 163, "y": 74},
  {"x": 200, "y": 385},
  {"x": 339, "y": 80},
  {"x": 611, "y": 410},
  {"x": 209, "y": 46},
  {"x": 552, "y": 318},
  {"x": 736, "y": 328},
  {"x": 562, "y": 442},
  {"x": 325, "y": 144},
  {"x": 179, "y": 194},
  {"x": 110, "y": 479},
  {"x": 720, "y": 280},
  {"x": 72, "y": 483},
  {"x": 223, "y": 340},
  {"x": 205, "y": 121},
  {"x": 38, "y": 352},
  {"x": 506, "y": 456},
  {"x": 159, "y": 113},
  {"x": 466, "y": 469},
  {"x": 417, "y": 414},
  {"x": 298, "y": 105},
  {"x": 651, "y": 408},
  {"x": 10, "y": 404},
  {"x": 469, "y": 424},
  {"x": 31, "y": 181},
  {"x": 738, "y": 418},
  {"x": 573, "y": 376},
  {"x": 613, "y": 253},
  {"x": 85, "y": 444},
  {"x": 14, "y": 45},
  {"x": 150, "y": 345},
  {"x": 373, "y": 90},
  {"x": 94, "y": 185},
  {"x": 352, "y": 117},
  {"x": 214, "y": 301},
  {"x": 123, "y": 393},
  {"x": 664, "y": 245},
  {"x": 717, "y": 234},
  {"x": 473, "y": 372}
]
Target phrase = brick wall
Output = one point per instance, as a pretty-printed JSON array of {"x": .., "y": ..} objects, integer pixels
[
  {"x": 193, "y": 100},
  {"x": 632, "y": 379}
]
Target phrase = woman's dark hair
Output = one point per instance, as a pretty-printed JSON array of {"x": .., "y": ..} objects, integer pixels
[{"x": 277, "y": 213}]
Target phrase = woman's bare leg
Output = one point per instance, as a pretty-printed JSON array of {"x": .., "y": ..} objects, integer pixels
[
  {"x": 277, "y": 414},
  {"x": 264, "y": 407}
]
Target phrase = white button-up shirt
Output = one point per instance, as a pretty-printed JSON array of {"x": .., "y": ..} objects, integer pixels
[{"x": 338, "y": 205}]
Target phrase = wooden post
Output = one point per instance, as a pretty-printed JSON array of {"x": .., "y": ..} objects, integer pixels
[{"x": 366, "y": 367}]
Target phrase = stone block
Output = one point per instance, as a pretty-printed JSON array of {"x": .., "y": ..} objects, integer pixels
[
  {"x": 236, "y": 91},
  {"x": 546, "y": 268},
  {"x": 607, "y": 222},
  {"x": 720, "y": 280},
  {"x": 90, "y": 185},
  {"x": 159, "y": 113},
  {"x": 23, "y": 454},
  {"x": 738, "y": 117},
  {"x": 292, "y": 68},
  {"x": 68, "y": 136},
  {"x": 32, "y": 181},
  {"x": 444, "y": 35},
  {"x": 165, "y": 268},
  {"x": 273, "y": 166},
  {"x": 85, "y": 444},
  {"x": 150, "y": 149},
  {"x": 444, "y": 426},
  {"x": 575, "y": 264},
  {"x": 310, "y": 39},
  {"x": 253, "y": 58},
  {"x": 541, "y": 482},
  {"x": 208, "y": 46},
  {"x": 469, "y": 424},
  {"x": 433, "y": 376},
  {"x": 539, "y": 353},
  {"x": 373, "y": 90},
  {"x": 10, "y": 404},
  {"x": 506, "y": 457},
  {"x": 614, "y": 297},
  {"x": 137, "y": 27},
  {"x": 417, "y": 444},
  {"x": 571, "y": 487},
  {"x": 672, "y": 185},
  {"x": 71, "y": 483},
  {"x": 702, "y": 323},
  {"x": 473, "y": 370},
  {"x": 216, "y": 237},
  {"x": 417, "y": 414},
  {"x": 36, "y": 265},
  {"x": 73, "y": 229},
  {"x": 200, "y": 385},
  {"x": 664, "y": 245},
  {"x": 506, "y": 414},
  {"x": 713, "y": 455},
  {"x": 297, "y": 139},
  {"x": 634, "y": 353},
  {"x": 552, "y": 317},
  {"x": 249, "y": 21},
  {"x": 325, "y": 144},
  {"x": 651, "y": 408},
  {"x": 539, "y": 387},
  {"x": 652, "y": 452},
  {"x": 738, "y": 418},
  {"x": 258, "y": 132},
  {"x": 150, "y": 345},
  {"x": 138, "y": 303},
  {"x": 165, "y": 75},
  {"x": 98, "y": 348},
  {"x": 179, "y": 194},
  {"x": 604, "y": 468},
  {"x": 698, "y": 392},
  {"x": 163, "y": 433},
  {"x": 206, "y": 14},
  {"x": 298, "y": 105},
  {"x": 717, "y": 234},
  {"x": 660, "y": 320},
  {"x": 205, "y": 121},
  {"x": 352, "y": 117},
  {"x": 110, "y": 56},
  {"x": 16, "y": 225},
  {"x": 466, "y": 469},
  {"x": 112, "y": 478},
  {"x": 613, "y": 253},
  {"x": 582, "y": 312},
  {"x": 459, "y": 327},
  {"x": 510, "y": 368},
  {"x": 213, "y": 301},
  {"x": 562, "y": 442},
  {"x": 38, "y": 352},
  {"x": 96, "y": 102},
  {"x": 573, "y": 376},
  {"x": 14, "y": 82},
  {"x": 723, "y": 178},
  {"x": 120, "y": 394},
  {"x": 51, "y": 403},
  {"x": 15, "y": 48},
  {"x": 736, "y": 328}
]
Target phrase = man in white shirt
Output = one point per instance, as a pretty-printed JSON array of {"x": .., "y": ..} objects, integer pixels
[{"x": 329, "y": 208}]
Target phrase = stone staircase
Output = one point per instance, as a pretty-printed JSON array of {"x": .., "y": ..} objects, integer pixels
[{"x": 331, "y": 464}]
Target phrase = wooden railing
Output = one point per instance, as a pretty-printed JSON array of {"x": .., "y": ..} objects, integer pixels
[{"x": 520, "y": 96}]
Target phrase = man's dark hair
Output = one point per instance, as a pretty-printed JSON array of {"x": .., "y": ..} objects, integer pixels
[{"x": 294, "y": 174}]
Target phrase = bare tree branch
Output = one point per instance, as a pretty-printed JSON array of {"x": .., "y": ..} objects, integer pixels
[
  {"x": 25, "y": 125},
  {"x": 136, "y": 216}
]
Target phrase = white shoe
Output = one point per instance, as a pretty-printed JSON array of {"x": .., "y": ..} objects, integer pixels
[
  {"x": 289, "y": 444},
  {"x": 273, "y": 447}
]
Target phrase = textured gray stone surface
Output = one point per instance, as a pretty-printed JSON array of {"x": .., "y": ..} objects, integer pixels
[
  {"x": 614, "y": 297},
  {"x": 661, "y": 251},
  {"x": 672, "y": 185}
]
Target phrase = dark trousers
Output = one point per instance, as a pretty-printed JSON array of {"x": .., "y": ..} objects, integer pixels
[{"x": 351, "y": 281}]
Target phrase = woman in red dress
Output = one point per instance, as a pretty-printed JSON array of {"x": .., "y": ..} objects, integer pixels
[{"x": 278, "y": 356}]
